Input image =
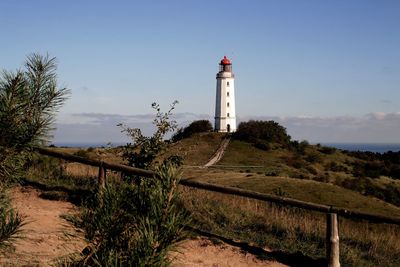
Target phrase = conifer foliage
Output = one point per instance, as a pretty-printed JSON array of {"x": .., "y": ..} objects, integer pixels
[{"x": 29, "y": 99}]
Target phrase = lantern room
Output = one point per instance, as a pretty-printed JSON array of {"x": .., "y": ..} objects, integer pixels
[{"x": 225, "y": 65}]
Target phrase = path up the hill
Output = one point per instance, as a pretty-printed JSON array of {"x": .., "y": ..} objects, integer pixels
[{"x": 219, "y": 153}]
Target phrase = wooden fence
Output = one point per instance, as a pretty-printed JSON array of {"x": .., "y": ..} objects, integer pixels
[{"x": 332, "y": 233}]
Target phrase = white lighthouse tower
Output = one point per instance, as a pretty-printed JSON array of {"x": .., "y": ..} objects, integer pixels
[{"x": 225, "y": 116}]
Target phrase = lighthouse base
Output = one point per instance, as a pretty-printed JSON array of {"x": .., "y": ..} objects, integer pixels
[{"x": 225, "y": 125}]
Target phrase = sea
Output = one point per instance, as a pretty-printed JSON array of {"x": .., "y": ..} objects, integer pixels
[{"x": 373, "y": 147}]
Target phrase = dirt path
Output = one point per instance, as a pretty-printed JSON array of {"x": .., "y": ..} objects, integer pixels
[
  {"x": 203, "y": 252},
  {"x": 47, "y": 236},
  {"x": 219, "y": 153}
]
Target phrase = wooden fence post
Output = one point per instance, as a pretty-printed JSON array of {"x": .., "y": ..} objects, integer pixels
[
  {"x": 102, "y": 177},
  {"x": 332, "y": 240}
]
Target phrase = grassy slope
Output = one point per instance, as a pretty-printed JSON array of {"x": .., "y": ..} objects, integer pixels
[
  {"x": 287, "y": 229},
  {"x": 232, "y": 171},
  {"x": 196, "y": 150},
  {"x": 306, "y": 190}
]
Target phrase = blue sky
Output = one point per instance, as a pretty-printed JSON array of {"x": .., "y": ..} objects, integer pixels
[{"x": 327, "y": 70}]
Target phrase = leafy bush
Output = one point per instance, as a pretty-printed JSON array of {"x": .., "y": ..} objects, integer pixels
[
  {"x": 335, "y": 167},
  {"x": 373, "y": 164},
  {"x": 135, "y": 224},
  {"x": 143, "y": 150},
  {"x": 299, "y": 147},
  {"x": 390, "y": 193},
  {"x": 256, "y": 131},
  {"x": 327, "y": 150},
  {"x": 372, "y": 169},
  {"x": 262, "y": 146},
  {"x": 199, "y": 126}
]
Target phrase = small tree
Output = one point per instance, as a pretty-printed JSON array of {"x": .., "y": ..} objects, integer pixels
[
  {"x": 143, "y": 150},
  {"x": 29, "y": 99},
  {"x": 137, "y": 223}
]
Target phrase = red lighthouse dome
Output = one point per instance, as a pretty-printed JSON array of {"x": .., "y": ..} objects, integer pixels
[{"x": 225, "y": 61}]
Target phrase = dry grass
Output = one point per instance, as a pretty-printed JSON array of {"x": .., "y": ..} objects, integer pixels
[
  {"x": 306, "y": 190},
  {"x": 281, "y": 228},
  {"x": 291, "y": 229}
]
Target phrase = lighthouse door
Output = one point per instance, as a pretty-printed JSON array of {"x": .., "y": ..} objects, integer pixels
[{"x": 228, "y": 128}]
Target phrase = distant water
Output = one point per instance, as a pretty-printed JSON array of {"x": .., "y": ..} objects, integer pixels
[
  {"x": 380, "y": 148},
  {"x": 86, "y": 145}
]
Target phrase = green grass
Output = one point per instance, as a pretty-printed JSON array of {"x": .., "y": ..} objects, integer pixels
[
  {"x": 196, "y": 150},
  {"x": 306, "y": 190}
]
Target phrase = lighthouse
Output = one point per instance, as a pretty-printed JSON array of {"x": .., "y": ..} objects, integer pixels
[{"x": 225, "y": 116}]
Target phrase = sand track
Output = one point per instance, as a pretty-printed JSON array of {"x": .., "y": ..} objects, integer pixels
[{"x": 48, "y": 238}]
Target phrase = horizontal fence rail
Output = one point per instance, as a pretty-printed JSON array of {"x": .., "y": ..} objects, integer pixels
[
  {"x": 226, "y": 189},
  {"x": 332, "y": 233}
]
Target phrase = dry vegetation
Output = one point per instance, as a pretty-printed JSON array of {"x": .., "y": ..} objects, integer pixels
[
  {"x": 292, "y": 230},
  {"x": 307, "y": 176}
]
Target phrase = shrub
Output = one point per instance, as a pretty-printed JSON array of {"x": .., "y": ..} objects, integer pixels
[
  {"x": 333, "y": 166},
  {"x": 135, "y": 224},
  {"x": 137, "y": 221},
  {"x": 294, "y": 161},
  {"x": 143, "y": 150},
  {"x": 199, "y": 126},
  {"x": 262, "y": 146},
  {"x": 267, "y": 131},
  {"x": 372, "y": 169},
  {"x": 272, "y": 173},
  {"x": 327, "y": 150},
  {"x": 10, "y": 222},
  {"x": 313, "y": 157}
]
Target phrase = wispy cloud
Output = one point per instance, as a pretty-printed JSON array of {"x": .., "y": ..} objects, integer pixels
[
  {"x": 372, "y": 127},
  {"x": 102, "y": 127},
  {"x": 387, "y": 101}
]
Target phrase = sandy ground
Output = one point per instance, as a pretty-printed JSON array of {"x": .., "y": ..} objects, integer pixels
[
  {"x": 203, "y": 252},
  {"x": 48, "y": 238}
]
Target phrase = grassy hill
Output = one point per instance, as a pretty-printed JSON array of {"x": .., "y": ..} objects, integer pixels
[
  {"x": 309, "y": 173},
  {"x": 316, "y": 174}
]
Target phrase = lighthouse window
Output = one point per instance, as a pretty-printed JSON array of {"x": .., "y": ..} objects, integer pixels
[
  {"x": 227, "y": 84},
  {"x": 227, "y": 115},
  {"x": 227, "y": 93},
  {"x": 227, "y": 104}
]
